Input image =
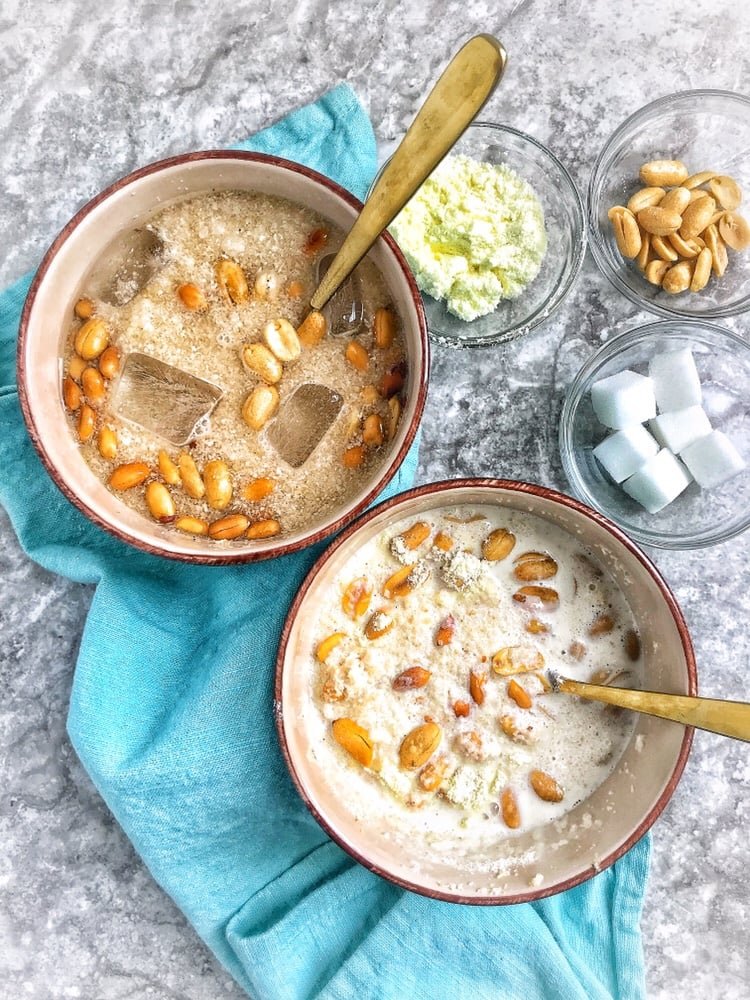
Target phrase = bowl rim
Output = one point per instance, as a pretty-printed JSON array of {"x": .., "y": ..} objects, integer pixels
[
  {"x": 228, "y": 556},
  {"x": 573, "y": 396},
  {"x": 665, "y": 310},
  {"x": 546, "y": 493},
  {"x": 562, "y": 289}
]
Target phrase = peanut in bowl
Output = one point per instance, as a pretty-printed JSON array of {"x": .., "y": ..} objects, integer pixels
[
  {"x": 412, "y": 707},
  {"x": 220, "y": 322}
]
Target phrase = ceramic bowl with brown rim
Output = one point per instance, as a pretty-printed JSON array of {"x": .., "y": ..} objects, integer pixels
[
  {"x": 545, "y": 859},
  {"x": 126, "y": 205}
]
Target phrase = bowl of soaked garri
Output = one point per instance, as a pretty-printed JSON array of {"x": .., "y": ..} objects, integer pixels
[
  {"x": 418, "y": 714},
  {"x": 171, "y": 380}
]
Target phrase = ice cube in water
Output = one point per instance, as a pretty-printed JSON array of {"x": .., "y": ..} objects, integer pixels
[
  {"x": 302, "y": 422},
  {"x": 345, "y": 310},
  {"x": 163, "y": 399},
  {"x": 126, "y": 266}
]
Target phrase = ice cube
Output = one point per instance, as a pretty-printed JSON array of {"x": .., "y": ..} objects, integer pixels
[
  {"x": 677, "y": 384},
  {"x": 163, "y": 399},
  {"x": 302, "y": 421},
  {"x": 623, "y": 399},
  {"x": 658, "y": 482},
  {"x": 344, "y": 311},
  {"x": 678, "y": 429},
  {"x": 713, "y": 459},
  {"x": 625, "y": 451},
  {"x": 126, "y": 266}
]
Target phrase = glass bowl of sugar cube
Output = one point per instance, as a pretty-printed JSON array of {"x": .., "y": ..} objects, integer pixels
[{"x": 655, "y": 433}]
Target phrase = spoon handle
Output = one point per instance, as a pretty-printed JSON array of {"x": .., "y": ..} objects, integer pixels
[
  {"x": 728, "y": 718},
  {"x": 454, "y": 101}
]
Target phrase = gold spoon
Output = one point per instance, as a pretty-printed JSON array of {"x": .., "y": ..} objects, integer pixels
[
  {"x": 452, "y": 104},
  {"x": 728, "y": 718}
]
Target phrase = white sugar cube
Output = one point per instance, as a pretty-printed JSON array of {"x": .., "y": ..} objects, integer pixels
[
  {"x": 625, "y": 451},
  {"x": 676, "y": 380},
  {"x": 713, "y": 459},
  {"x": 623, "y": 399},
  {"x": 658, "y": 482},
  {"x": 678, "y": 429}
]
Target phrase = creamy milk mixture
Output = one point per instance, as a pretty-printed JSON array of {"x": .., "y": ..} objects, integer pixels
[
  {"x": 496, "y": 731},
  {"x": 261, "y": 234}
]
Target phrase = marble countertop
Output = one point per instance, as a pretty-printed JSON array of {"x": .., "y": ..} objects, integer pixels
[{"x": 91, "y": 91}]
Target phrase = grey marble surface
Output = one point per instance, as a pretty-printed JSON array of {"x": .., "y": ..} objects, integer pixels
[{"x": 90, "y": 91}]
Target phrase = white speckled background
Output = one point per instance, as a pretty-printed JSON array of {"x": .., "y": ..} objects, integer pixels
[{"x": 88, "y": 91}]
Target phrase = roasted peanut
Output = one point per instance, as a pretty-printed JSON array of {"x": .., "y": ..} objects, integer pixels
[
  {"x": 258, "y": 360},
  {"x": 677, "y": 279},
  {"x": 378, "y": 625},
  {"x": 685, "y": 248},
  {"x": 192, "y": 482},
  {"x": 519, "y": 694},
  {"x": 354, "y": 457},
  {"x": 84, "y": 308},
  {"x": 509, "y": 809},
  {"x": 476, "y": 687},
  {"x": 443, "y": 542},
  {"x": 644, "y": 254},
  {"x": 192, "y": 525},
  {"x": 735, "y": 231},
  {"x": 168, "y": 470},
  {"x": 282, "y": 340},
  {"x": 231, "y": 526},
  {"x": 726, "y": 191},
  {"x": 266, "y": 528},
  {"x": 414, "y": 535},
  {"x": 419, "y": 745},
  {"x": 405, "y": 580},
  {"x": 412, "y": 677},
  {"x": 676, "y": 200},
  {"x": 258, "y": 489},
  {"x": 106, "y": 442},
  {"x": 498, "y": 545},
  {"x": 232, "y": 281},
  {"x": 715, "y": 244},
  {"x": 644, "y": 198},
  {"x": 627, "y": 233},
  {"x": 536, "y": 627},
  {"x": 372, "y": 430},
  {"x": 662, "y": 247},
  {"x": 76, "y": 367},
  {"x": 394, "y": 413},
  {"x": 697, "y": 216},
  {"x": 446, "y": 631},
  {"x": 109, "y": 362},
  {"x": 159, "y": 502},
  {"x": 461, "y": 709},
  {"x": 658, "y": 221},
  {"x": 260, "y": 406},
  {"x": 125, "y": 477},
  {"x": 546, "y": 787},
  {"x": 632, "y": 645},
  {"x": 517, "y": 660},
  {"x": 218, "y": 484},
  {"x": 541, "y": 598},
  {"x": 384, "y": 328},
  {"x": 393, "y": 381},
  {"x": 356, "y": 598},
  {"x": 192, "y": 297},
  {"x": 695, "y": 180},
  {"x": 602, "y": 625},
  {"x": 312, "y": 329},
  {"x": 86, "y": 422},
  {"x": 93, "y": 386},
  {"x": 71, "y": 394},
  {"x": 534, "y": 566},
  {"x": 655, "y": 270},
  {"x": 354, "y": 739},
  {"x": 663, "y": 173},
  {"x": 92, "y": 338},
  {"x": 266, "y": 286},
  {"x": 357, "y": 356},
  {"x": 702, "y": 271}
]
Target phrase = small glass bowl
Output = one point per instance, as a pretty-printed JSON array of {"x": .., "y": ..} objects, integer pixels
[
  {"x": 697, "y": 517},
  {"x": 566, "y": 240},
  {"x": 707, "y": 130}
]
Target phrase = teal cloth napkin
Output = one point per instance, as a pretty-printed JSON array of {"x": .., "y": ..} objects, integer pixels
[{"x": 171, "y": 714}]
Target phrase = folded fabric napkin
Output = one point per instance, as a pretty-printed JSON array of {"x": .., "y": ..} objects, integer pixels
[{"x": 171, "y": 714}]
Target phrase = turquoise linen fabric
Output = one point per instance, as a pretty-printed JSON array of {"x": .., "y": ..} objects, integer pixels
[{"x": 171, "y": 714}]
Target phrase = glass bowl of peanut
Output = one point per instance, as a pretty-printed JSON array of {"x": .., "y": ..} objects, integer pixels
[{"x": 665, "y": 206}]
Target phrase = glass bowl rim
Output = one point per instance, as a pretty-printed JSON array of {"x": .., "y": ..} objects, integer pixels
[
  {"x": 561, "y": 289},
  {"x": 608, "y": 350},
  {"x": 596, "y": 239}
]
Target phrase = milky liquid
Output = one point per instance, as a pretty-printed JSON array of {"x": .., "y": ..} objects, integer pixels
[
  {"x": 261, "y": 233},
  {"x": 576, "y": 742}
]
